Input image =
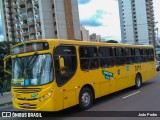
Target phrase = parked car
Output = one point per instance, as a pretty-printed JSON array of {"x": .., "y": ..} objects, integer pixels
[{"x": 158, "y": 65}]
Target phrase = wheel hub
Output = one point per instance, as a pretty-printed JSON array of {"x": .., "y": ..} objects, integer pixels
[
  {"x": 86, "y": 99},
  {"x": 138, "y": 82}
]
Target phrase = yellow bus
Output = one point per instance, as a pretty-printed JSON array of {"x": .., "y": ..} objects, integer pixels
[{"x": 51, "y": 75}]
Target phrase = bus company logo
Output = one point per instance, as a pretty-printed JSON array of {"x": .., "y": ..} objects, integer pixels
[
  {"x": 20, "y": 114},
  {"x": 34, "y": 95},
  {"x": 6, "y": 114},
  {"x": 107, "y": 75}
]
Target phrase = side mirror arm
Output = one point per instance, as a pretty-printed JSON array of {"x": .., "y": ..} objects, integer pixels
[{"x": 5, "y": 64}]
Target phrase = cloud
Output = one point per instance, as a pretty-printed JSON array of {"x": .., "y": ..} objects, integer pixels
[
  {"x": 1, "y": 38},
  {"x": 83, "y": 1},
  {"x": 91, "y": 22},
  {"x": 100, "y": 18},
  {"x": 94, "y": 20}
]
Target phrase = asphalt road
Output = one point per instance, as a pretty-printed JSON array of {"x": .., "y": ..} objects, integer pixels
[{"x": 144, "y": 99}]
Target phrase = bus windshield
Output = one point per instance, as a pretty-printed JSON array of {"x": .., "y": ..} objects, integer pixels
[{"x": 32, "y": 70}]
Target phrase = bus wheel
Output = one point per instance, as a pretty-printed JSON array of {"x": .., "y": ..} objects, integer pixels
[
  {"x": 138, "y": 81},
  {"x": 85, "y": 98}
]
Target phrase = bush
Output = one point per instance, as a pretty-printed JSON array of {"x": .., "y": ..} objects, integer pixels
[
  {"x": 6, "y": 85},
  {"x": 4, "y": 51}
]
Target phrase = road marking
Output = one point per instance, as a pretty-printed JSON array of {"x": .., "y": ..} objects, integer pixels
[{"x": 131, "y": 94}]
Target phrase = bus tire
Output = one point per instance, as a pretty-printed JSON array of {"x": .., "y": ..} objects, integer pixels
[
  {"x": 138, "y": 81},
  {"x": 85, "y": 98}
]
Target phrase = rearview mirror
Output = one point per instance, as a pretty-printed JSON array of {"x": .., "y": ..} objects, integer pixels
[{"x": 7, "y": 64}]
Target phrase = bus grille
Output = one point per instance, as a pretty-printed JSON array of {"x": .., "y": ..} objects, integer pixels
[
  {"x": 27, "y": 90},
  {"x": 27, "y": 99},
  {"x": 32, "y": 106}
]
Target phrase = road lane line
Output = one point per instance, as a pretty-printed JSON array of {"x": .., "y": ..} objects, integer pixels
[{"x": 131, "y": 94}]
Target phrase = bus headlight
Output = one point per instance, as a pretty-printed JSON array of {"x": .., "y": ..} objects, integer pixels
[
  {"x": 50, "y": 93},
  {"x": 45, "y": 96}
]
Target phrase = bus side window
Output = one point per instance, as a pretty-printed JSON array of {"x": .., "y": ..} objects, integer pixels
[
  {"x": 138, "y": 57},
  {"x": 144, "y": 56},
  {"x": 119, "y": 56},
  {"x": 68, "y": 53},
  {"x": 88, "y": 57},
  {"x": 106, "y": 57},
  {"x": 150, "y": 55},
  {"x": 129, "y": 56}
]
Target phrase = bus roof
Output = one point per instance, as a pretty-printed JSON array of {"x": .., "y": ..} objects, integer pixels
[{"x": 78, "y": 42}]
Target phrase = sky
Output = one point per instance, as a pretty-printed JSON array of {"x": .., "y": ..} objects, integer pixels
[{"x": 102, "y": 17}]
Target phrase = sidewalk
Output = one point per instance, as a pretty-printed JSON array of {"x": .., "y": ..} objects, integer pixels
[{"x": 6, "y": 99}]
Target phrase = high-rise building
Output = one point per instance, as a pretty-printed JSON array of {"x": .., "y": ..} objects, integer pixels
[
  {"x": 137, "y": 21},
  {"x": 2, "y": 19},
  {"x": 98, "y": 38},
  {"x": 95, "y": 38},
  {"x": 84, "y": 34},
  {"x": 40, "y": 19}
]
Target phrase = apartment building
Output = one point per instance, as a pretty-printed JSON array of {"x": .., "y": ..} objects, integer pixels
[
  {"x": 40, "y": 19},
  {"x": 95, "y": 38},
  {"x": 84, "y": 34},
  {"x": 137, "y": 21}
]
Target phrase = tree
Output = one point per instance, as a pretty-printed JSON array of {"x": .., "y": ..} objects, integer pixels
[
  {"x": 111, "y": 41},
  {"x": 4, "y": 51}
]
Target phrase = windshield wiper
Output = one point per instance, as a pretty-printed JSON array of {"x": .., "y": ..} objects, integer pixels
[
  {"x": 31, "y": 61},
  {"x": 19, "y": 63}
]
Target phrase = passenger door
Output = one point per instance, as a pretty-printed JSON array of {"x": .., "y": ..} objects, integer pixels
[{"x": 65, "y": 74}]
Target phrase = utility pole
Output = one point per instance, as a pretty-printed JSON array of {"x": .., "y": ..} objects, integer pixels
[
  {"x": 157, "y": 33},
  {"x": 156, "y": 38}
]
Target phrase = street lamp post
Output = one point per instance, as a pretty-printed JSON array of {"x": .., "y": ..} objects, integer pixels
[
  {"x": 156, "y": 38},
  {"x": 157, "y": 42},
  {"x": 157, "y": 34}
]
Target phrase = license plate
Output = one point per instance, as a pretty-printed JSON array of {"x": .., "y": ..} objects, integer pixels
[{"x": 26, "y": 105}]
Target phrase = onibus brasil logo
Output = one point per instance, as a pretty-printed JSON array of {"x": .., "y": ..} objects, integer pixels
[{"x": 107, "y": 75}]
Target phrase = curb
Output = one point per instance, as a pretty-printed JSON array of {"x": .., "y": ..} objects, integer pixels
[
  {"x": 9, "y": 103},
  {"x": 7, "y": 93}
]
